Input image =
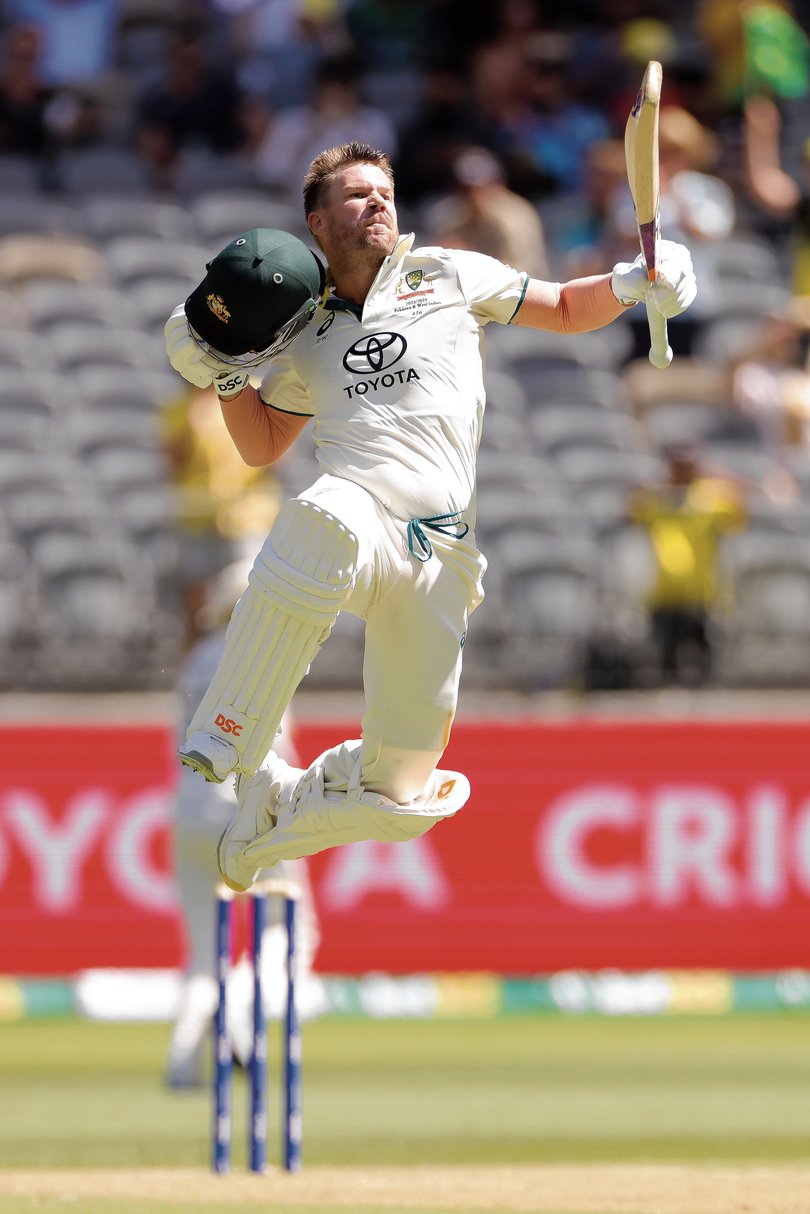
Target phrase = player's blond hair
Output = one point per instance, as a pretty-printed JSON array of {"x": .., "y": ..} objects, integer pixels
[{"x": 331, "y": 161}]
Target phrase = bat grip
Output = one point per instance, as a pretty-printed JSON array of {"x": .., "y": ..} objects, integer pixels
[{"x": 660, "y": 349}]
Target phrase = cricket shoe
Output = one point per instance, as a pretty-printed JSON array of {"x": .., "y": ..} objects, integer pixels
[
  {"x": 258, "y": 798},
  {"x": 315, "y": 817},
  {"x": 212, "y": 757}
]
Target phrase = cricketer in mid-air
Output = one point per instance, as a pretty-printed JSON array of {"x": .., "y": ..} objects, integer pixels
[{"x": 383, "y": 351}]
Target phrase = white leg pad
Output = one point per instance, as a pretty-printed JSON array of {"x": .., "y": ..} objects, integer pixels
[
  {"x": 297, "y": 586},
  {"x": 311, "y": 817}
]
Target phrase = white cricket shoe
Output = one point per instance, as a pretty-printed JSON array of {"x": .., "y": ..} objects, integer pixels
[
  {"x": 212, "y": 757},
  {"x": 258, "y": 798}
]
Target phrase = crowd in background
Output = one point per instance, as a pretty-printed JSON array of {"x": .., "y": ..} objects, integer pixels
[{"x": 505, "y": 124}]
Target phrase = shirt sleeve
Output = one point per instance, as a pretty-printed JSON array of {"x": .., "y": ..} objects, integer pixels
[
  {"x": 283, "y": 388},
  {"x": 494, "y": 291}
]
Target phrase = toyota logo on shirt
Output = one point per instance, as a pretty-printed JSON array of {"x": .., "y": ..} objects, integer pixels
[{"x": 374, "y": 353}]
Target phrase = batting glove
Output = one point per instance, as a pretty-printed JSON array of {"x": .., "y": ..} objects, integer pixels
[
  {"x": 197, "y": 366},
  {"x": 230, "y": 383},
  {"x": 675, "y": 286}
]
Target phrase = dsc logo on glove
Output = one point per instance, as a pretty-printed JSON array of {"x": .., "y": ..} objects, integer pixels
[{"x": 227, "y": 725}]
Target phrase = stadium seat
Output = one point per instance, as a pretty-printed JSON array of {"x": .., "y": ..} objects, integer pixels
[
  {"x": 556, "y": 428},
  {"x": 590, "y": 467},
  {"x": 132, "y": 259},
  {"x": 671, "y": 423},
  {"x": 553, "y": 610},
  {"x": 105, "y": 217},
  {"x": 198, "y": 171},
  {"x": 21, "y": 175},
  {"x": 543, "y": 507},
  {"x": 222, "y": 215},
  {"x": 154, "y": 299},
  {"x": 91, "y": 431},
  {"x": 117, "y": 469},
  {"x": 503, "y": 431},
  {"x": 744, "y": 260},
  {"x": 120, "y": 385},
  {"x": 40, "y": 392},
  {"x": 76, "y": 345},
  {"x": 47, "y": 303},
  {"x": 765, "y": 640},
  {"x": 18, "y": 613},
  {"x": 509, "y": 469},
  {"x": 505, "y": 394},
  {"x": 46, "y": 256},
  {"x": 22, "y": 214},
  {"x": 95, "y": 170}
]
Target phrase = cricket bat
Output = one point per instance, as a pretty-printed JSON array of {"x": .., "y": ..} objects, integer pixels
[{"x": 641, "y": 158}]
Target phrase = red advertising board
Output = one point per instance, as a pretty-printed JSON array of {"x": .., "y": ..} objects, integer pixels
[{"x": 585, "y": 845}]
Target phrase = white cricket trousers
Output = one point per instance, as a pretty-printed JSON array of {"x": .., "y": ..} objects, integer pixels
[{"x": 416, "y": 615}]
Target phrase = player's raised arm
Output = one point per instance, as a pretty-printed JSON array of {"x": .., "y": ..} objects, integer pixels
[{"x": 583, "y": 304}]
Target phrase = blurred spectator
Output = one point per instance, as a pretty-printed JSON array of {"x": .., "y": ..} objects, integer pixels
[
  {"x": 446, "y": 121},
  {"x": 686, "y": 518},
  {"x": 498, "y": 63},
  {"x": 78, "y": 37},
  {"x": 200, "y": 815},
  {"x": 391, "y": 35},
  {"x": 544, "y": 140},
  {"x": 770, "y": 382},
  {"x": 279, "y": 44},
  {"x": 775, "y": 191},
  {"x": 293, "y": 137},
  {"x": 696, "y": 205},
  {"x": 36, "y": 118},
  {"x": 584, "y": 239},
  {"x": 483, "y": 214},
  {"x": 752, "y": 45},
  {"x": 24, "y": 96},
  {"x": 224, "y": 505},
  {"x": 196, "y": 105}
]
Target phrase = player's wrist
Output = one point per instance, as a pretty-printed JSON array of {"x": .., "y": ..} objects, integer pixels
[
  {"x": 629, "y": 282},
  {"x": 229, "y": 384}
]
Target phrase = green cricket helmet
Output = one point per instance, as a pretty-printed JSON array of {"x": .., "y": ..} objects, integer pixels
[{"x": 258, "y": 294}]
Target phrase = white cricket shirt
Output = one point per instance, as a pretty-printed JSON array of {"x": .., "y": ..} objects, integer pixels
[{"x": 397, "y": 389}]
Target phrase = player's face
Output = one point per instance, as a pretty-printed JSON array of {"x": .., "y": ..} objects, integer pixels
[{"x": 358, "y": 213}]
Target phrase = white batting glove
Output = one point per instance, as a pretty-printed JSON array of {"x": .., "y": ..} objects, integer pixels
[
  {"x": 230, "y": 383},
  {"x": 675, "y": 286},
  {"x": 197, "y": 366}
]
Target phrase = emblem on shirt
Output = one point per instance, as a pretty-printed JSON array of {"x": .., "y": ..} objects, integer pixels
[
  {"x": 415, "y": 282},
  {"x": 216, "y": 304}
]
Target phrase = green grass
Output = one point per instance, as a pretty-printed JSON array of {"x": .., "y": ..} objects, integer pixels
[{"x": 79, "y": 1094}]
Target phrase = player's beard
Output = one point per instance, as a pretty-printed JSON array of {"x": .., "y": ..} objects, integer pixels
[{"x": 366, "y": 243}]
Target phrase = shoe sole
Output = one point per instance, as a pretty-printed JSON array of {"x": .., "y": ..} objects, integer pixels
[
  {"x": 237, "y": 889},
  {"x": 199, "y": 762}
]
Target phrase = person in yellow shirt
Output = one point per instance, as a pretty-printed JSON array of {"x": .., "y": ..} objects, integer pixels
[
  {"x": 686, "y": 519},
  {"x": 225, "y": 507}
]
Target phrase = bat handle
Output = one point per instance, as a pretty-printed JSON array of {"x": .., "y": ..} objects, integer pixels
[{"x": 660, "y": 349}]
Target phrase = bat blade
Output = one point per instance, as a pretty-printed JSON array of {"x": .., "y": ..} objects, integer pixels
[{"x": 641, "y": 158}]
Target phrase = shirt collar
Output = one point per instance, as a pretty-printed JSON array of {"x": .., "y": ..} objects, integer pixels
[{"x": 388, "y": 268}]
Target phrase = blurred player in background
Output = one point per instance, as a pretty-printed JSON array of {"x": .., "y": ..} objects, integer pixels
[
  {"x": 391, "y": 367},
  {"x": 201, "y": 813},
  {"x": 687, "y": 518}
]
